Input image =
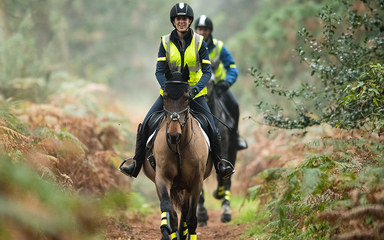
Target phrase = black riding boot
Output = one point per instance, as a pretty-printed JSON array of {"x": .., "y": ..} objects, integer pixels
[
  {"x": 133, "y": 169},
  {"x": 241, "y": 143},
  {"x": 223, "y": 167}
]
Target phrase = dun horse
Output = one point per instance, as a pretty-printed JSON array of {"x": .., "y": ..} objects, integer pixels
[{"x": 181, "y": 156}]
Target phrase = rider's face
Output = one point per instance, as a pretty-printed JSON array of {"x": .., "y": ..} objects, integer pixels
[
  {"x": 182, "y": 23},
  {"x": 203, "y": 31}
]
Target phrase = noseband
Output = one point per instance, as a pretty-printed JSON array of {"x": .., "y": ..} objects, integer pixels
[{"x": 175, "y": 116}]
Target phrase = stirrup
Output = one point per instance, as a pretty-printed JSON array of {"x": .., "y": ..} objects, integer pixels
[
  {"x": 122, "y": 165},
  {"x": 230, "y": 165}
]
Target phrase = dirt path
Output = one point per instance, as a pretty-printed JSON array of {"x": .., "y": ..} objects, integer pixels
[{"x": 149, "y": 228}]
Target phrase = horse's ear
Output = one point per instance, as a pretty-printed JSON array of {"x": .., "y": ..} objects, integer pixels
[
  {"x": 168, "y": 73},
  {"x": 185, "y": 73}
]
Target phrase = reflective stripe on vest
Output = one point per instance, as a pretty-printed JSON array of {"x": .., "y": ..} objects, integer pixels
[
  {"x": 191, "y": 57},
  {"x": 217, "y": 65}
]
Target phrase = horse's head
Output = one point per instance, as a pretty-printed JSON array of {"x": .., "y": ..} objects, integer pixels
[{"x": 176, "y": 103}]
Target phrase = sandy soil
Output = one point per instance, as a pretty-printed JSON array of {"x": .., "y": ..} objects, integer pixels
[{"x": 148, "y": 228}]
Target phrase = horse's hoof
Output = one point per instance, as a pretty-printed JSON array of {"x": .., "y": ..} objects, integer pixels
[
  {"x": 226, "y": 213},
  {"x": 202, "y": 216},
  {"x": 202, "y": 224},
  {"x": 226, "y": 218}
]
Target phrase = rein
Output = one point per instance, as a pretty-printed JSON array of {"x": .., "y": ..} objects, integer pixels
[{"x": 214, "y": 116}]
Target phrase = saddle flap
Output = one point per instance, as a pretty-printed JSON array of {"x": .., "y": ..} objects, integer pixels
[{"x": 202, "y": 120}]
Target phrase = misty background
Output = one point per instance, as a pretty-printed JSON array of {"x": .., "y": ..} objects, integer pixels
[{"x": 44, "y": 43}]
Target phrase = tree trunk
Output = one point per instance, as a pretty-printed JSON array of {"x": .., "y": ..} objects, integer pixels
[
  {"x": 3, "y": 21},
  {"x": 43, "y": 29}
]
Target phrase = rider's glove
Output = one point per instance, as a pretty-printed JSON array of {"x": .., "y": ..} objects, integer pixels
[
  {"x": 222, "y": 86},
  {"x": 193, "y": 92}
]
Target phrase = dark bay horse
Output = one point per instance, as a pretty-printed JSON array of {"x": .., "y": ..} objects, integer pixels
[
  {"x": 182, "y": 160},
  {"x": 229, "y": 152}
]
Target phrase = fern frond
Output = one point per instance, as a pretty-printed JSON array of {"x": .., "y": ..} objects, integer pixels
[
  {"x": 315, "y": 143},
  {"x": 311, "y": 180},
  {"x": 376, "y": 233},
  {"x": 14, "y": 133}
]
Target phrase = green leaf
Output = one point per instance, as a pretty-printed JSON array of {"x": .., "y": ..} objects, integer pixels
[
  {"x": 311, "y": 180},
  {"x": 375, "y": 101},
  {"x": 271, "y": 174},
  {"x": 253, "y": 192}
]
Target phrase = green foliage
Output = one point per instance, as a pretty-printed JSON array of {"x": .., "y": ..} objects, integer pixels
[
  {"x": 322, "y": 182},
  {"x": 137, "y": 204},
  {"x": 21, "y": 70},
  {"x": 31, "y": 207},
  {"x": 368, "y": 94},
  {"x": 352, "y": 39}
]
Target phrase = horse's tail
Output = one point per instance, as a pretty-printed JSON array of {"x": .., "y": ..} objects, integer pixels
[{"x": 177, "y": 195}]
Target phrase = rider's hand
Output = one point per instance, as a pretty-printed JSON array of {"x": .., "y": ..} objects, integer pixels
[
  {"x": 222, "y": 86},
  {"x": 193, "y": 92}
]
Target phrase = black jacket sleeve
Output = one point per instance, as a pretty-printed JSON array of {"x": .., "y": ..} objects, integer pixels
[{"x": 161, "y": 66}]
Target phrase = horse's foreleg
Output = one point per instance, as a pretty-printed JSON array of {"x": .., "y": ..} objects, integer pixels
[
  {"x": 191, "y": 217},
  {"x": 174, "y": 225},
  {"x": 202, "y": 215},
  {"x": 163, "y": 190},
  {"x": 183, "y": 230}
]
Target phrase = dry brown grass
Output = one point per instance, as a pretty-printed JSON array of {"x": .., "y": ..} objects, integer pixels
[{"x": 93, "y": 169}]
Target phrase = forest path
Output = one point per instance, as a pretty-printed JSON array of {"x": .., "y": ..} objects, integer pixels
[{"x": 149, "y": 229}]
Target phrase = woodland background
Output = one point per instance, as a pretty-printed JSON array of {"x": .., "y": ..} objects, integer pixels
[{"x": 77, "y": 76}]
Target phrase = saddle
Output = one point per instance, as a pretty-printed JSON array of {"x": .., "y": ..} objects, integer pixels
[{"x": 203, "y": 120}]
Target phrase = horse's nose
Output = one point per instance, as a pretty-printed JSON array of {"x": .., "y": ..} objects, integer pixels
[{"x": 175, "y": 138}]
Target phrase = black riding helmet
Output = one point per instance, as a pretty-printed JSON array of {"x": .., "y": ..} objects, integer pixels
[
  {"x": 204, "y": 21},
  {"x": 181, "y": 9}
]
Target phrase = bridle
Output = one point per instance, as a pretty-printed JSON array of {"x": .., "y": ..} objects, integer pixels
[{"x": 175, "y": 116}]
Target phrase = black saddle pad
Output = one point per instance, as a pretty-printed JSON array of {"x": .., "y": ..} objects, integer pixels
[
  {"x": 154, "y": 121},
  {"x": 203, "y": 120}
]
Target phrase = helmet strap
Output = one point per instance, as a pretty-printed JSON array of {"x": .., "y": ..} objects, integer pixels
[{"x": 185, "y": 32}]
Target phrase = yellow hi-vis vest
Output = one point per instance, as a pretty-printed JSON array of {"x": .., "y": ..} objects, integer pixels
[
  {"x": 217, "y": 65},
  {"x": 191, "y": 57}
]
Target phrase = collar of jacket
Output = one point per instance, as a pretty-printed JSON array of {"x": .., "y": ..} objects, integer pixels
[
  {"x": 175, "y": 38},
  {"x": 210, "y": 44}
]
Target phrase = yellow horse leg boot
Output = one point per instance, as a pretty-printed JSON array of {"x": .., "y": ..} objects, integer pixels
[
  {"x": 133, "y": 169},
  {"x": 223, "y": 167}
]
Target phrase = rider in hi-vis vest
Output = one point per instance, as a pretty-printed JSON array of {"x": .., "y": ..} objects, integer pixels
[
  {"x": 180, "y": 48},
  {"x": 225, "y": 70}
]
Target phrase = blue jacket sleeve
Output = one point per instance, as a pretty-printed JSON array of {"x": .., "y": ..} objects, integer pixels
[
  {"x": 161, "y": 66},
  {"x": 229, "y": 65},
  {"x": 205, "y": 67}
]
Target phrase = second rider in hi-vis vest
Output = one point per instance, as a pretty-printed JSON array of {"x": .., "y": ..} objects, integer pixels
[{"x": 225, "y": 71}]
